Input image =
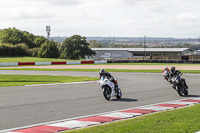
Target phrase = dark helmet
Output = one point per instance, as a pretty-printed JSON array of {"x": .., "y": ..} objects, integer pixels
[
  {"x": 173, "y": 69},
  {"x": 101, "y": 71}
]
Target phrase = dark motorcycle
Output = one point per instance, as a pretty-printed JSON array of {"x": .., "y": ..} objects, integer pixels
[{"x": 178, "y": 85}]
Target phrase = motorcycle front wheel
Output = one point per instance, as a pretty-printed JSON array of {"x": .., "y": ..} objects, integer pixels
[
  {"x": 107, "y": 93},
  {"x": 180, "y": 91}
]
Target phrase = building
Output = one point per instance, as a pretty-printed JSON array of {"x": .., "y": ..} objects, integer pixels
[
  {"x": 120, "y": 53},
  {"x": 198, "y": 52}
]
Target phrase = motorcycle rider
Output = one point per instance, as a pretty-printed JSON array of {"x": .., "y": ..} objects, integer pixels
[
  {"x": 102, "y": 72},
  {"x": 166, "y": 70},
  {"x": 173, "y": 73}
]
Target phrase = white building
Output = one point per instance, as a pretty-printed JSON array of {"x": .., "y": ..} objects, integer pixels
[
  {"x": 119, "y": 53},
  {"x": 198, "y": 52}
]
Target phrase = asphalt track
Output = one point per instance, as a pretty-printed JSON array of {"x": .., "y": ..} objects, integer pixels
[{"x": 27, "y": 105}]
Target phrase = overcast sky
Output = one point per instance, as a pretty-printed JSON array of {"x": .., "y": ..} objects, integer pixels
[{"x": 104, "y": 18}]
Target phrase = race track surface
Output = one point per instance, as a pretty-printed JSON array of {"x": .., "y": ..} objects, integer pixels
[{"x": 27, "y": 105}]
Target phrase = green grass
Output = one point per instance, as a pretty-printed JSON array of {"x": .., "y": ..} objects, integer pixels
[
  {"x": 20, "y": 80},
  {"x": 185, "y": 120},
  {"x": 5, "y": 59},
  {"x": 148, "y": 64},
  {"x": 27, "y": 59},
  {"x": 97, "y": 70}
]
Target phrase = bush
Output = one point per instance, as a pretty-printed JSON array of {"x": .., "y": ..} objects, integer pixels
[
  {"x": 22, "y": 49},
  {"x": 14, "y": 50},
  {"x": 34, "y": 52},
  {"x": 15, "y": 36},
  {"x": 48, "y": 50}
]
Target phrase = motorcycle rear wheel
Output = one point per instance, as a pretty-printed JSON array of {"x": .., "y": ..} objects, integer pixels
[
  {"x": 119, "y": 93},
  {"x": 186, "y": 92}
]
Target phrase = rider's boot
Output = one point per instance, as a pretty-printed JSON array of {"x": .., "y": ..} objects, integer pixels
[
  {"x": 113, "y": 94},
  {"x": 116, "y": 88}
]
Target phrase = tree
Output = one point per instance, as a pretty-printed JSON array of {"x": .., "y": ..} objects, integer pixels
[
  {"x": 48, "y": 50},
  {"x": 15, "y": 36},
  {"x": 75, "y": 47},
  {"x": 11, "y": 36},
  {"x": 28, "y": 39},
  {"x": 95, "y": 44},
  {"x": 39, "y": 40}
]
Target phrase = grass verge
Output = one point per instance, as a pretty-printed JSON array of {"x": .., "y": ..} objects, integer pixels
[
  {"x": 97, "y": 70},
  {"x": 185, "y": 120},
  {"x": 28, "y": 59},
  {"x": 20, "y": 80},
  {"x": 165, "y": 64},
  {"x": 6, "y": 59}
]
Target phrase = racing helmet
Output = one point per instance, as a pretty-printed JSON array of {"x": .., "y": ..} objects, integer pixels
[
  {"x": 102, "y": 71},
  {"x": 173, "y": 69},
  {"x": 165, "y": 68}
]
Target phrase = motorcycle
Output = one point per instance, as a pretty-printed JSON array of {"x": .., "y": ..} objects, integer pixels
[
  {"x": 109, "y": 88},
  {"x": 179, "y": 85}
]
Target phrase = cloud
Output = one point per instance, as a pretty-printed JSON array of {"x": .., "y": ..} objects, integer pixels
[
  {"x": 43, "y": 2},
  {"x": 62, "y": 2},
  {"x": 187, "y": 17},
  {"x": 153, "y": 5},
  {"x": 25, "y": 13}
]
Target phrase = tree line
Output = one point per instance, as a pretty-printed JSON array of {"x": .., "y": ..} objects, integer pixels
[
  {"x": 14, "y": 42},
  {"x": 100, "y": 44}
]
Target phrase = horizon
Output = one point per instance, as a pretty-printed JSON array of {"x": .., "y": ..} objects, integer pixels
[{"x": 113, "y": 18}]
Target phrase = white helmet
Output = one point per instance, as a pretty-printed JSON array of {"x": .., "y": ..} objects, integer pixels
[{"x": 165, "y": 67}]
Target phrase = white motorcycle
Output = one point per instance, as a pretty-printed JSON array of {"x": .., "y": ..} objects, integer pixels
[{"x": 109, "y": 89}]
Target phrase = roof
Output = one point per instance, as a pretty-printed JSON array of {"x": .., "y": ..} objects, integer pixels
[
  {"x": 142, "y": 49},
  {"x": 123, "y": 49}
]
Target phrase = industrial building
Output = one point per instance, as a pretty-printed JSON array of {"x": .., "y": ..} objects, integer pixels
[
  {"x": 198, "y": 52},
  {"x": 121, "y": 53}
]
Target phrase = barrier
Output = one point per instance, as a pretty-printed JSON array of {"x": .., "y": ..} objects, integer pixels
[
  {"x": 9, "y": 64},
  {"x": 101, "y": 62},
  {"x": 73, "y": 62},
  {"x": 59, "y": 63},
  {"x": 87, "y": 62},
  {"x": 42, "y": 63},
  {"x": 26, "y": 63}
]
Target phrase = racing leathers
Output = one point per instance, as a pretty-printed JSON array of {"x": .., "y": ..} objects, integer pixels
[
  {"x": 111, "y": 78},
  {"x": 176, "y": 73}
]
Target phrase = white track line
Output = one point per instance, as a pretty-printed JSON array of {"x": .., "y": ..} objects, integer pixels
[{"x": 83, "y": 82}]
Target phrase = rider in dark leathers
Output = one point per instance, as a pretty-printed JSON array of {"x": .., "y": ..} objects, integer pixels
[
  {"x": 174, "y": 72},
  {"x": 102, "y": 72}
]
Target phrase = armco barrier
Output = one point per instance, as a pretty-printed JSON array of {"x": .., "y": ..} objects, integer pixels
[
  {"x": 59, "y": 63},
  {"x": 87, "y": 62},
  {"x": 73, "y": 62},
  {"x": 100, "y": 62},
  {"x": 53, "y": 63},
  {"x": 42, "y": 63},
  {"x": 26, "y": 63},
  {"x": 9, "y": 64}
]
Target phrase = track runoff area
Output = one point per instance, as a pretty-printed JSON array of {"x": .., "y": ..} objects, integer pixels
[{"x": 107, "y": 117}]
